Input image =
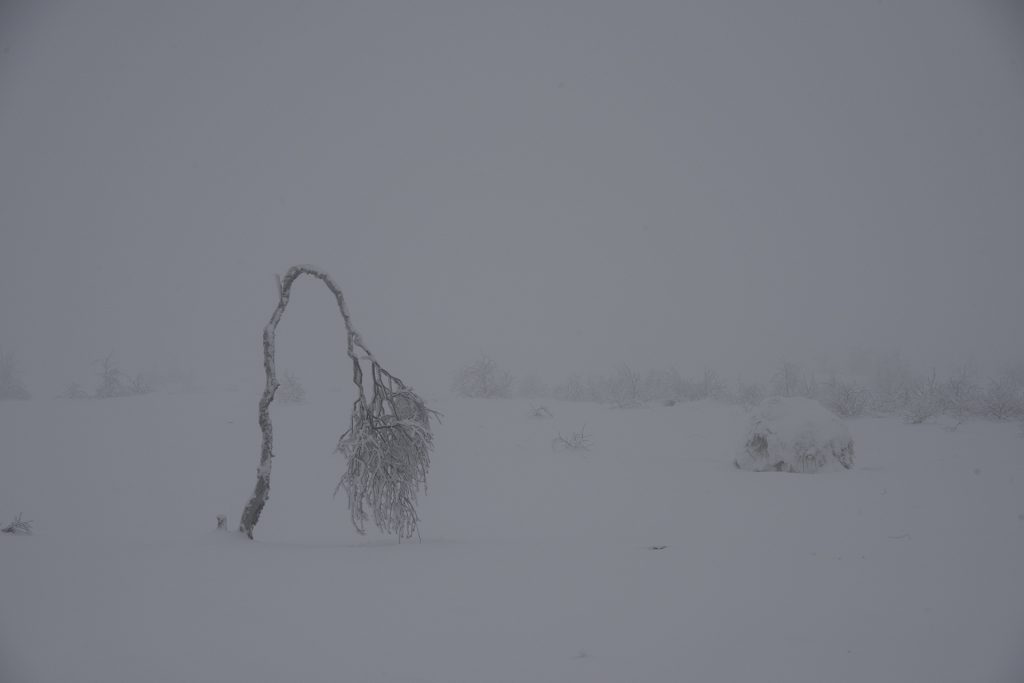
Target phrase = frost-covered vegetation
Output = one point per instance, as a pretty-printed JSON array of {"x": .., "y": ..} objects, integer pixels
[
  {"x": 113, "y": 383},
  {"x": 18, "y": 527},
  {"x": 868, "y": 384},
  {"x": 12, "y": 385},
  {"x": 795, "y": 434},
  {"x": 483, "y": 378}
]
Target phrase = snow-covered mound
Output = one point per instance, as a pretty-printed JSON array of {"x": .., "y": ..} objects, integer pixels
[{"x": 795, "y": 435}]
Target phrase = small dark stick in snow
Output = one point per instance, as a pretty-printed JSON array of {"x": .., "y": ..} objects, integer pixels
[
  {"x": 18, "y": 527},
  {"x": 579, "y": 441}
]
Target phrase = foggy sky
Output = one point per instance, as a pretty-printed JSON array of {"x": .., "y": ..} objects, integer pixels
[{"x": 563, "y": 186}]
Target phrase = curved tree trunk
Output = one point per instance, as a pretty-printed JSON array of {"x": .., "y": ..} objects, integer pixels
[{"x": 253, "y": 508}]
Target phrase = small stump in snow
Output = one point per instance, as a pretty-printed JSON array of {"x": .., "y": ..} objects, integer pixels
[{"x": 795, "y": 435}]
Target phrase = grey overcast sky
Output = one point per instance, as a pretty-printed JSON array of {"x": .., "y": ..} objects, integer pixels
[{"x": 562, "y": 185}]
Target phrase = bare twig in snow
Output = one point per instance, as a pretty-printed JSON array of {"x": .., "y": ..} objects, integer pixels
[
  {"x": 541, "y": 412},
  {"x": 579, "y": 441},
  {"x": 18, "y": 527}
]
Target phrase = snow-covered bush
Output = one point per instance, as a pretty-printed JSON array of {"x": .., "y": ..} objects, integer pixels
[
  {"x": 711, "y": 385},
  {"x": 795, "y": 434},
  {"x": 749, "y": 395},
  {"x": 892, "y": 385},
  {"x": 291, "y": 389},
  {"x": 962, "y": 397},
  {"x": 574, "y": 389},
  {"x": 1004, "y": 399},
  {"x": 708, "y": 385},
  {"x": 111, "y": 378},
  {"x": 788, "y": 380},
  {"x": 624, "y": 389},
  {"x": 482, "y": 379},
  {"x": 114, "y": 384},
  {"x": 923, "y": 401},
  {"x": 845, "y": 399},
  {"x": 140, "y": 384},
  {"x": 11, "y": 384},
  {"x": 876, "y": 384}
]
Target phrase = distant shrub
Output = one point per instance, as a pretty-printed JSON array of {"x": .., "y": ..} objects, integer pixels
[
  {"x": 873, "y": 384},
  {"x": 12, "y": 386},
  {"x": 111, "y": 379},
  {"x": 845, "y": 399},
  {"x": 962, "y": 397},
  {"x": 623, "y": 390},
  {"x": 1004, "y": 399},
  {"x": 749, "y": 395},
  {"x": 113, "y": 383},
  {"x": 140, "y": 384},
  {"x": 574, "y": 389},
  {"x": 788, "y": 380},
  {"x": 711, "y": 386},
  {"x": 923, "y": 403},
  {"x": 482, "y": 379},
  {"x": 892, "y": 385}
]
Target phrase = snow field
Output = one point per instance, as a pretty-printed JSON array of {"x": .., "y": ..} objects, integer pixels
[{"x": 535, "y": 564}]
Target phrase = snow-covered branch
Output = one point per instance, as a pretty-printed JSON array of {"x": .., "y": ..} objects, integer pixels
[{"x": 388, "y": 442}]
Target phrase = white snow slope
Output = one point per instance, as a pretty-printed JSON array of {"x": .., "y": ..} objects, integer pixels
[{"x": 535, "y": 564}]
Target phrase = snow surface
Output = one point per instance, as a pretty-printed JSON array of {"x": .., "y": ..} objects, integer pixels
[
  {"x": 535, "y": 564},
  {"x": 795, "y": 434}
]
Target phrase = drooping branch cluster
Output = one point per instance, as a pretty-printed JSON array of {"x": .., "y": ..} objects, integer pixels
[
  {"x": 387, "y": 449},
  {"x": 387, "y": 445}
]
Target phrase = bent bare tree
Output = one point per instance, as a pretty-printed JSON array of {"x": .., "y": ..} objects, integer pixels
[{"x": 388, "y": 443}]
